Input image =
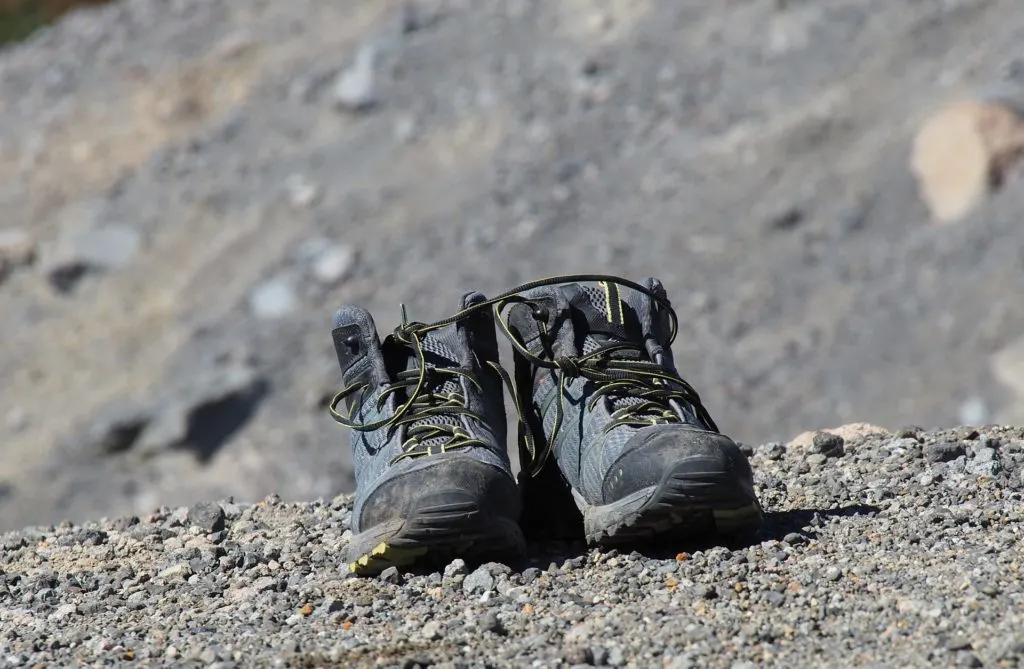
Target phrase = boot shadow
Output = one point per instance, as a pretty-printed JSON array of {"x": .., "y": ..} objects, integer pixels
[
  {"x": 777, "y": 526},
  {"x": 554, "y": 536}
]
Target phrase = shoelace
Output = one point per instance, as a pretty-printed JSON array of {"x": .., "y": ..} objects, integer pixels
[
  {"x": 422, "y": 403},
  {"x": 660, "y": 392}
]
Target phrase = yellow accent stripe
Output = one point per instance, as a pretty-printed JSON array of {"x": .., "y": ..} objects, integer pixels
[
  {"x": 607, "y": 300},
  {"x": 613, "y": 303}
]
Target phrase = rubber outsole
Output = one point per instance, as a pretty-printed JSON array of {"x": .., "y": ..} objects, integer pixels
[
  {"x": 684, "y": 506},
  {"x": 435, "y": 535}
]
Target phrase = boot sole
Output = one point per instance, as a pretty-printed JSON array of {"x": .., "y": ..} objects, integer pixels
[
  {"x": 434, "y": 535},
  {"x": 685, "y": 506}
]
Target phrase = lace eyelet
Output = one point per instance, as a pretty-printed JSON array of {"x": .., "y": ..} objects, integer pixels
[{"x": 540, "y": 313}]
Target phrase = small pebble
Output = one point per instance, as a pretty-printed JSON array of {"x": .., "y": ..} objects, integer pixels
[
  {"x": 481, "y": 580},
  {"x": 455, "y": 568},
  {"x": 943, "y": 452},
  {"x": 828, "y": 444},
  {"x": 432, "y": 630},
  {"x": 208, "y": 516}
]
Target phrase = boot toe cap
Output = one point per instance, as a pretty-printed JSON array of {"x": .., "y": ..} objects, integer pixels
[{"x": 652, "y": 454}]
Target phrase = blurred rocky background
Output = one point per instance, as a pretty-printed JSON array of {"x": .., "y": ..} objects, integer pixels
[{"x": 830, "y": 190}]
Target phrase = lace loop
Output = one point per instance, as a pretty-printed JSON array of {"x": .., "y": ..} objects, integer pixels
[{"x": 569, "y": 366}]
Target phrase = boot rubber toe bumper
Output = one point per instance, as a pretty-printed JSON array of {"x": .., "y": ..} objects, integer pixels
[
  {"x": 675, "y": 482},
  {"x": 456, "y": 507}
]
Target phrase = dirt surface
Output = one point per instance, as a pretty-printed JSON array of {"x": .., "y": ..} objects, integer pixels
[{"x": 202, "y": 183}]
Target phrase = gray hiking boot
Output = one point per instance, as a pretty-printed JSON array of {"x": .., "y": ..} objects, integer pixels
[
  {"x": 631, "y": 442},
  {"x": 433, "y": 480}
]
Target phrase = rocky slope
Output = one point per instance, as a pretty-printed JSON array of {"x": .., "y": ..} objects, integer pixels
[
  {"x": 189, "y": 188},
  {"x": 878, "y": 551}
]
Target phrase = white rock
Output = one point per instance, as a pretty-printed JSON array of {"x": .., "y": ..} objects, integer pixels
[
  {"x": 974, "y": 411},
  {"x": 17, "y": 246},
  {"x": 63, "y": 611},
  {"x": 432, "y": 630},
  {"x": 405, "y": 129},
  {"x": 180, "y": 571},
  {"x": 302, "y": 193},
  {"x": 334, "y": 264},
  {"x": 354, "y": 90},
  {"x": 274, "y": 298}
]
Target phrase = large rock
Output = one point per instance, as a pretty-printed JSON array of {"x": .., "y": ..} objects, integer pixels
[
  {"x": 197, "y": 416},
  {"x": 848, "y": 432},
  {"x": 88, "y": 246},
  {"x": 962, "y": 152}
]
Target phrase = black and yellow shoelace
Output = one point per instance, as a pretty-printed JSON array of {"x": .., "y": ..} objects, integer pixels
[
  {"x": 424, "y": 402},
  {"x": 618, "y": 370}
]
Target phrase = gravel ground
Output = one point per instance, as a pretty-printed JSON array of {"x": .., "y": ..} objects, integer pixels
[{"x": 888, "y": 550}]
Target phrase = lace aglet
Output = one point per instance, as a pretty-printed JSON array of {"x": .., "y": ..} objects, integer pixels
[{"x": 405, "y": 317}]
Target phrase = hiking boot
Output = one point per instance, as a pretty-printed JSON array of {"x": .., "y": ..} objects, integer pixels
[
  {"x": 427, "y": 420},
  {"x": 632, "y": 445}
]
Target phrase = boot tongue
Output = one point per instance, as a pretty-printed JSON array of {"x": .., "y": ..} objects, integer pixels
[
  {"x": 439, "y": 351},
  {"x": 610, "y": 314}
]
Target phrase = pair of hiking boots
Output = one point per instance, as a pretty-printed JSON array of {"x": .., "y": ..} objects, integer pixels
[{"x": 614, "y": 446}]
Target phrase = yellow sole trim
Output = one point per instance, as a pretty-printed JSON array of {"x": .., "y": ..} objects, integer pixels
[{"x": 383, "y": 556}]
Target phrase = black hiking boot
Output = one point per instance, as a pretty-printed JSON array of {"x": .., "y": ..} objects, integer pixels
[
  {"x": 433, "y": 480},
  {"x": 633, "y": 446}
]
